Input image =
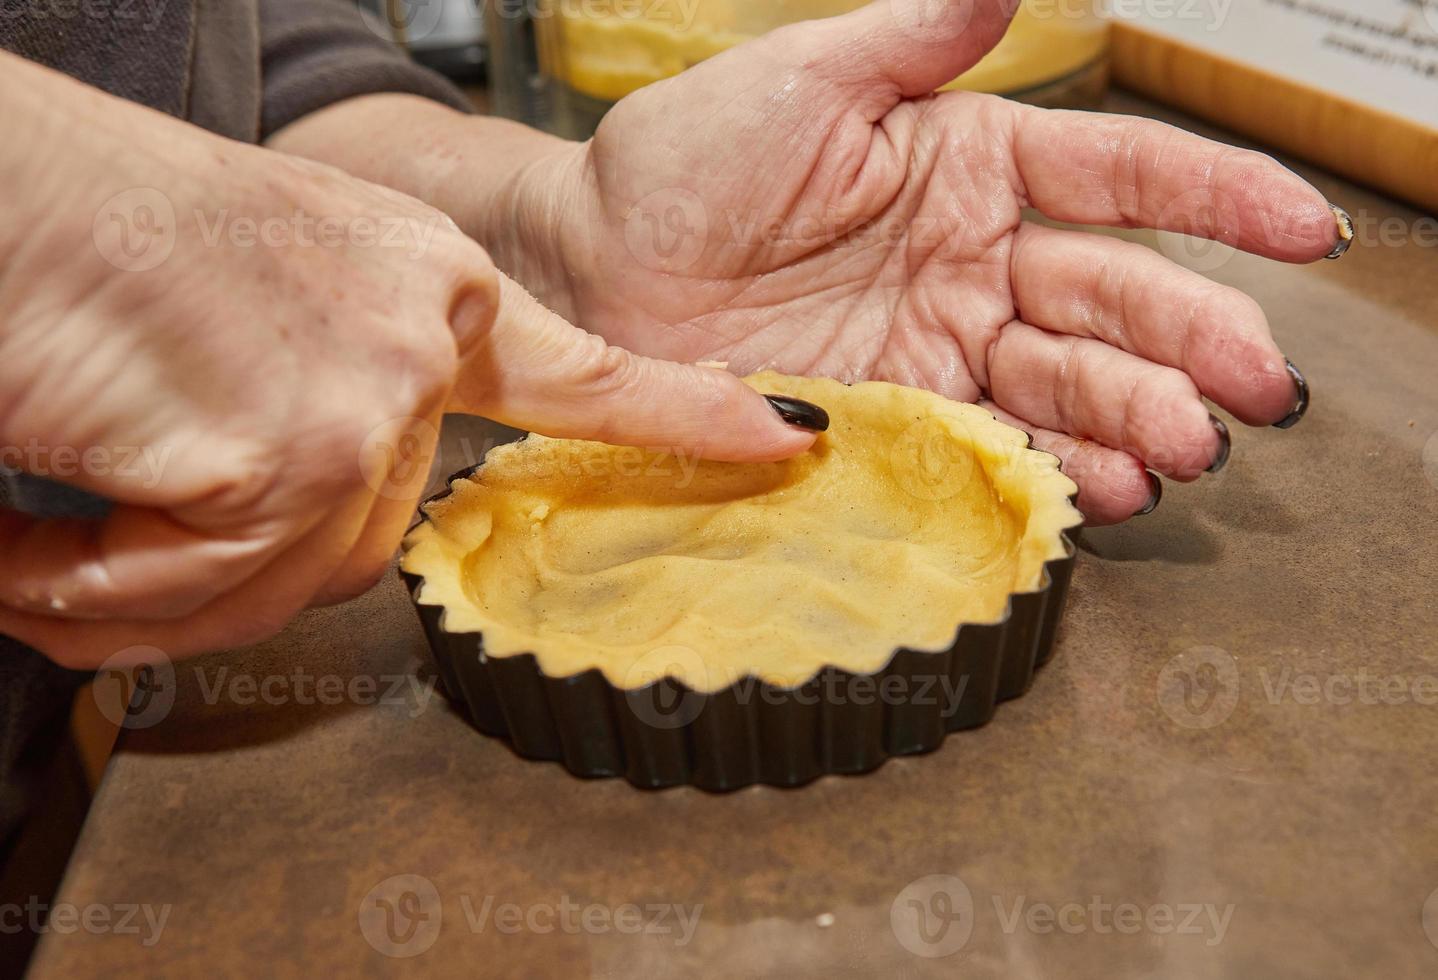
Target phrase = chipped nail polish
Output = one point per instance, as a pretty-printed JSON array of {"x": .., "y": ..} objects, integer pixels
[
  {"x": 1154, "y": 498},
  {"x": 1301, "y": 383},
  {"x": 1345, "y": 232},
  {"x": 802, "y": 414},
  {"x": 1225, "y": 444}
]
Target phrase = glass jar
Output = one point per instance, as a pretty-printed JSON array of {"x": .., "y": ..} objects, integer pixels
[{"x": 560, "y": 64}]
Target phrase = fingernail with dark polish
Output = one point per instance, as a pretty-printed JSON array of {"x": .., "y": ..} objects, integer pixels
[
  {"x": 1345, "y": 232},
  {"x": 1154, "y": 498},
  {"x": 803, "y": 414},
  {"x": 1225, "y": 444},
  {"x": 1301, "y": 383}
]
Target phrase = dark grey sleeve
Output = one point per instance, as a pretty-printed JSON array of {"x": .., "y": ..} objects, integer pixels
[
  {"x": 35, "y": 694},
  {"x": 35, "y": 698},
  {"x": 315, "y": 53}
]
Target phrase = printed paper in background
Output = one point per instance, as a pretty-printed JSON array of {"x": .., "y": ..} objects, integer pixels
[{"x": 1383, "y": 53}]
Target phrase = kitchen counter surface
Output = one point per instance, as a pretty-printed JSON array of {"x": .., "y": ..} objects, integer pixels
[{"x": 1227, "y": 770}]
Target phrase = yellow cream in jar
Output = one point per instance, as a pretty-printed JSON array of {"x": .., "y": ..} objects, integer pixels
[{"x": 606, "y": 49}]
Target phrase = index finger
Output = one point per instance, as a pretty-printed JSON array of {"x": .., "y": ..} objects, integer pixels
[
  {"x": 530, "y": 368},
  {"x": 1127, "y": 172}
]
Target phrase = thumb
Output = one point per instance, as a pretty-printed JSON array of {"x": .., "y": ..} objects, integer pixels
[
  {"x": 527, "y": 367},
  {"x": 911, "y": 46}
]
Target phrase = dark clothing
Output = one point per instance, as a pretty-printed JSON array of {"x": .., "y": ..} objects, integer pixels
[
  {"x": 35, "y": 694},
  {"x": 240, "y": 68},
  {"x": 320, "y": 52}
]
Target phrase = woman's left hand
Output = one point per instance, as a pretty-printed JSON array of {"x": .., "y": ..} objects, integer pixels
[{"x": 802, "y": 202}]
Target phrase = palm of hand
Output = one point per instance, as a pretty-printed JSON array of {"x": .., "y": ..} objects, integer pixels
[
  {"x": 880, "y": 252},
  {"x": 804, "y": 203}
]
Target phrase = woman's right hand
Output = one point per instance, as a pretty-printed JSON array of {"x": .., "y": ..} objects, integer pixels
[{"x": 250, "y": 355}]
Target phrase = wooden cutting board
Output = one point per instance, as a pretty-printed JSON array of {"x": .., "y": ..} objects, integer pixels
[{"x": 1351, "y": 85}]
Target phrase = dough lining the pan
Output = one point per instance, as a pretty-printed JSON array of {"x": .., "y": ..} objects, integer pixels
[{"x": 911, "y": 516}]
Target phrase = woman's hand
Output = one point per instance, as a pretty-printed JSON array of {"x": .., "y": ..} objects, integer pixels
[
  {"x": 253, "y": 364},
  {"x": 803, "y": 203}
]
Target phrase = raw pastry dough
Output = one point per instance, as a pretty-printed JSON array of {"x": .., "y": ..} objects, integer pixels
[{"x": 911, "y": 515}]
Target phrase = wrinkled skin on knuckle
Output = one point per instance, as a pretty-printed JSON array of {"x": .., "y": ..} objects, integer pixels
[
  {"x": 241, "y": 473},
  {"x": 602, "y": 370},
  {"x": 1160, "y": 418},
  {"x": 276, "y": 485},
  {"x": 471, "y": 314},
  {"x": 470, "y": 294},
  {"x": 465, "y": 257},
  {"x": 1229, "y": 340},
  {"x": 1115, "y": 487}
]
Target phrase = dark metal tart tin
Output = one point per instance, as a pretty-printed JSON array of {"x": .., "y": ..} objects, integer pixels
[{"x": 667, "y": 734}]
